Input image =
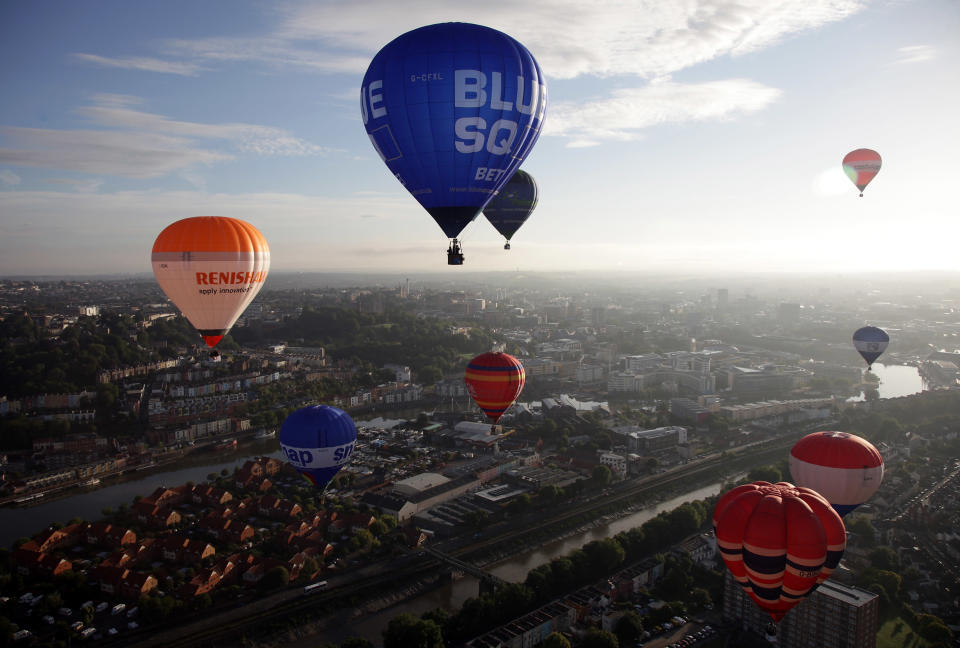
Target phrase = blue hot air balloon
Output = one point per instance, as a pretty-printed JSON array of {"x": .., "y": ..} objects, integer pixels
[
  {"x": 513, "y": 205},
  {"x": 870, "y": 342},
  {"x": 318, "y": 441},
  {"x": 453, "y": 109}
]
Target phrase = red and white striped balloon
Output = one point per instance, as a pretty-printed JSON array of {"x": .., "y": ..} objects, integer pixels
[{"x": 844, "y": 468}]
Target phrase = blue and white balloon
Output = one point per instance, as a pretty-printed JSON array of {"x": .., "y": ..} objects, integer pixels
[
  {"x": 318, "y": 441},
  {"x": 453, "y": 109},
  {"x": 870, "y": 342}
]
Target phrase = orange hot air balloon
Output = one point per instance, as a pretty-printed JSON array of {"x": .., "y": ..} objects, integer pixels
[
  {"x": 779, "y": 541},
  {"x": 861, "y": 166},
  {"x": 494, "y": 381},
  {"x": 211, "y": 267}
]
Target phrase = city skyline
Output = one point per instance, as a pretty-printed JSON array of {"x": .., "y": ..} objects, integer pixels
[{"x": 707, "y": 137}]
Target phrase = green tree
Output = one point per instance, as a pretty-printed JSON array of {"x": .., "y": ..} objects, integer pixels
[
  {"x": 519, "y": 504},
  {"x": 765, "y": 473},
  {"x": 604, "y": 555},
  {"x": 884, "y": 558},
  {"x": 274, "y": 579},
  {"x": 628, "y": 628},
  {"x": 601, "y": 475},
  {"x": 933, "y": 629},
  {"x": 362, "y": 540},
  {"x": 700, "y": 597},
  {"x": 477, "y": 520},
  {"x": 407, "y": 631},
  {"x": 860, "y": 525},
  {"x": 555, "y": 640},
  {"x": 357, "y": 642},
  {"x": 429, "y": 375},
  {"x": 599, "y": 639}
]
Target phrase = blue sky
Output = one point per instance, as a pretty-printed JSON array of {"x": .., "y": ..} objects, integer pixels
[{"x": 697, "y": 136}]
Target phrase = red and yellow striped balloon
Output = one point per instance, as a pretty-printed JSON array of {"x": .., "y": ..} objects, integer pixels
[{"x": 494, "y": 381}]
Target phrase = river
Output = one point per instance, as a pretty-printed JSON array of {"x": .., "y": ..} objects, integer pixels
[
  {"x": 514, "y": 569},
  {"x": 896, "y": 381},
  {"x": 88, "y": 504}
]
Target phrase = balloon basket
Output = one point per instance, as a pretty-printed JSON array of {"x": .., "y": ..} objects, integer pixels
[
  {"x": 770, "y": 634},
  {"x": 454, "y": 253}
]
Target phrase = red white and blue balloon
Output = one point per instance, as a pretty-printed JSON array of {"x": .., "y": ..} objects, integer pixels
[{"x": 844, "y": 468}]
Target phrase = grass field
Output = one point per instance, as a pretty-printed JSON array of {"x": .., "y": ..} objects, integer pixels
[{"x": 889, "y": 637}]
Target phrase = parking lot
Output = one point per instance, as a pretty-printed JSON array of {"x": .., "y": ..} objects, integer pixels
[{"x": 693, "y": 633}]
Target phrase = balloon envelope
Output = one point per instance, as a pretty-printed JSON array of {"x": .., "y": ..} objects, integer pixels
[
  {"x": 870, "y": 342},
  {"x": 494, "y": 381},
  {"x": 844, "y": 468},
  {"x": 861, "y": 166},
  {"x": 211, "y": 268},
  {"x": 779, "y": 542},
  {"x": 453, "y": 109},
  {"x": 513, "y": 205},
  {"x": 318, "y": 441}
]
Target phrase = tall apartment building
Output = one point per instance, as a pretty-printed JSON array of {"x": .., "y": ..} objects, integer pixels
[{"x": 833, "y": 616}]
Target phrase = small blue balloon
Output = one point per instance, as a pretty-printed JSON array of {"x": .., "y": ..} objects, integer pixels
[
  {"x": 318, "y": 441},
  {"x": 453, "y": 110}
]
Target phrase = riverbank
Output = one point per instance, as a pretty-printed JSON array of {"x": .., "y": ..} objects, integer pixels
[{"x": 155, "y": 462}]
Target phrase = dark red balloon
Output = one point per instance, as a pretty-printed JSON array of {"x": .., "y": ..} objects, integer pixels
[
  {"x": 779, "y": 541},
  {"x": 494, "y": 381}
]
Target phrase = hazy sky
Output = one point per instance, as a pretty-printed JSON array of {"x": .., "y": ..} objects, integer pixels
[{"x": 689, "y": 135}]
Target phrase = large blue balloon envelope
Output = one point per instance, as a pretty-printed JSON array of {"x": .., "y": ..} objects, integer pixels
[
  {"x": 453, "y": 110},
  {"x": 318, "y": 441},
  {"x": 513, "y": 205},
  {"x": 870, "y": 342}
]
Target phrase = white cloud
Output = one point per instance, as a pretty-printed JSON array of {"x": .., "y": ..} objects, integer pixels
[
  {"x": 9, "y": 177},
  {"x": 262, "y": 140},
  {"x": 142, "y": 144},
  {"x": 570, "y": 38},
  {"x": 143, "y": 63},
  {"x": 119, "y": 153},
  {"x": 915, "y": 54},
  {"x": 84, "y": 186},
  {"x": 628, "y": 111},
  {"x": 268, "y": 50}
]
